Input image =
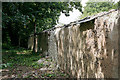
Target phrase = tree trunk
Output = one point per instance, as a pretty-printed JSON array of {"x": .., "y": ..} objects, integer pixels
[
  {"x": 19, "y": 40},
  {"x": 34, "y": 46}
]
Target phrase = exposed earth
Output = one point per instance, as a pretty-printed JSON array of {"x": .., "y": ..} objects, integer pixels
[{"x": 46, "y": 69}]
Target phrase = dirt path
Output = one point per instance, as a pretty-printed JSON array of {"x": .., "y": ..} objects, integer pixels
[{"x": 48, "y": 70}]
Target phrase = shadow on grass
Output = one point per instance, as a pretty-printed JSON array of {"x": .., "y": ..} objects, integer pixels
[
  {"x": 24, "y": 65},
  {"x": 13, "y": 58}
]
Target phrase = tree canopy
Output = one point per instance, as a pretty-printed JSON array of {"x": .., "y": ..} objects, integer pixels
[
  {"x": 92, "y": 8},
  {"x": 20, "y": 18}
]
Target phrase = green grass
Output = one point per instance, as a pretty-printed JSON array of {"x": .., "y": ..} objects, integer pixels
[
  {"x": 16, "y": 50},
  {"x": 48, "y": 75},
  {"x": 10, "y": 58}
]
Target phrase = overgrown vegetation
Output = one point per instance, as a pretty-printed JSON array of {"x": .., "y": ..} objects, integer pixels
[
  {"x": 21, "y": 19},
  {"x": 12, "y": 58},
  {"x": 23, "y": 64},
  {"x": 93, "y": 8}
]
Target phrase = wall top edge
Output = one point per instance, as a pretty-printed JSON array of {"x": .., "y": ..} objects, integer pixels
[{"x": 86, "y": 19}]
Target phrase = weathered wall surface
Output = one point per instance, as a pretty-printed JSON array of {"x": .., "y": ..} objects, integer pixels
[
  {"x": 89, "y": 49},
  {"x": 41, "y": 42}
]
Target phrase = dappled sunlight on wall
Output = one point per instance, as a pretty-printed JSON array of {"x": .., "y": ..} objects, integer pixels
[{"x": 88, "y": 49}]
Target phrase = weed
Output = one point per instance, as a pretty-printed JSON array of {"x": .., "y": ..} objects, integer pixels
[
  {"x": 50, "y": 75},
  {"x": 36, "y": 65},
  {"x": 12, "y": 59}
]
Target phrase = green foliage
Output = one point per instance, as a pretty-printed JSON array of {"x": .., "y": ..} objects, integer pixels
[
  {"x": 48, "y": 75},
  {"x": 11, "y": 49},
  {"x": 36, "y": 65},
  {"x": 14, "y": 57},
  {"x": 118, "y": 5},
  {"x": 95, "y": 7},
  {"x": 6, "y": 46},
  {"x": 6, "y": 65},
  {"x": 19, "y": 18}
]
